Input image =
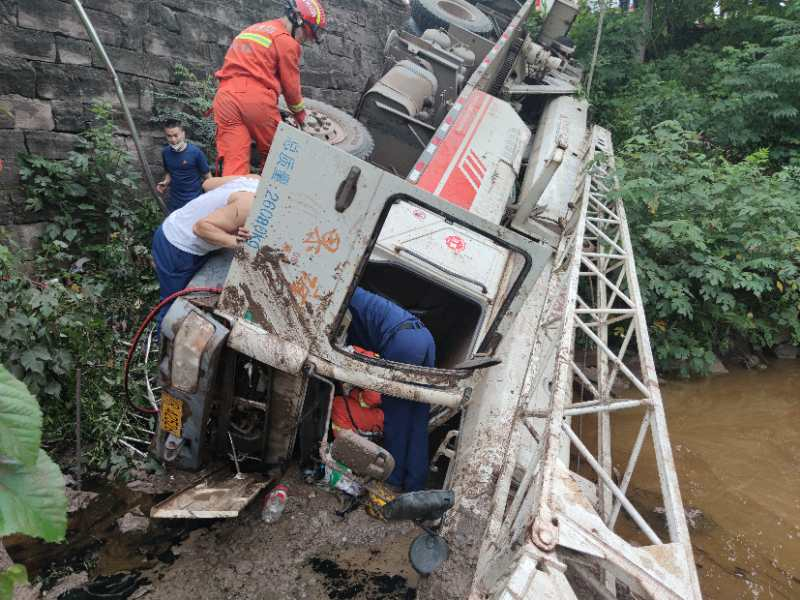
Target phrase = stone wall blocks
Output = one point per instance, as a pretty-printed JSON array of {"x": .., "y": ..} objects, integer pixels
[
  {"x": 197, "y": 29},
  {"x": 74, "y": 52},
  {"x": 127, "y": 10},
  {"x": 25, "y": 235},
  {"x": 17, "y": 76},
  {"x": 133, "y": 63},
  {"x": 61, "y": 17},
  {"x": 339, "y": 46},
  {"x": 6, "y": 114},
  {"x": 11, "y": 144},
  {"x": 64, "y": 82},
  {"x": 50, "y": 144},
  {"x": 8, "y": 12},
  {"x": 24, "y": 43},
  {"x": 29, "y": 113},
  {"x": 159, "y": 42},
  {"x": 163, "y": 16},
  {"x": 71, "y": 116},
  {"x": 222, "y": 12}
]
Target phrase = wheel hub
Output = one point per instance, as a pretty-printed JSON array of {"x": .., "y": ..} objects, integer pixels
[{"x": 324, "y": 127}]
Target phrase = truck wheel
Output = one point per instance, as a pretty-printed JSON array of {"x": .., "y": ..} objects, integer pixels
[
  {"x": 434, "y": 14},
  {"x": 336, "y": 127}
]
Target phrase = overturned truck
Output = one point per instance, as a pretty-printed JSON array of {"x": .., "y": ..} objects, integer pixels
[{"x": 488, "y": 209}]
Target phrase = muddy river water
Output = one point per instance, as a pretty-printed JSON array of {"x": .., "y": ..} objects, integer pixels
[{"x": 736, "y": 440}]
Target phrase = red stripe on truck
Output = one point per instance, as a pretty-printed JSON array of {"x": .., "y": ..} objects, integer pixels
[{"x": 445, "y": 174}]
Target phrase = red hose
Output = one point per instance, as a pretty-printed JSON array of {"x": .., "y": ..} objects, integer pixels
[{"x": 145, "y": 323}]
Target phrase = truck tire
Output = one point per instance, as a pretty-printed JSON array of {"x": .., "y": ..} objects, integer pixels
[
  {"x": 434, "y": 14},
  {"x": 336, "y": 127}
]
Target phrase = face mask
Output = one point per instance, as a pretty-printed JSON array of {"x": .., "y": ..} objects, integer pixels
[{"x": 179, "y": 147}]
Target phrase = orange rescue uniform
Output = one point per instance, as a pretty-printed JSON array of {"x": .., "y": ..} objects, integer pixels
[
  {"x": 262, "y": 63},
  {"x": 359, "y": 411}
]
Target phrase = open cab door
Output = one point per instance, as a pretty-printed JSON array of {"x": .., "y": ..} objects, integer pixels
[{"x": 318, "y": 215}]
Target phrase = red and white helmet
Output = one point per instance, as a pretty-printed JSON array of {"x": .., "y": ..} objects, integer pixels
[{"x": 308, "y": 14}]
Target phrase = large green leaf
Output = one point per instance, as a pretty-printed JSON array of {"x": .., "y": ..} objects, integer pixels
[
  {"x": 20, "y": 421},
  {"x": 32, "y": 500},
  {"x": 14, "y": 575}
]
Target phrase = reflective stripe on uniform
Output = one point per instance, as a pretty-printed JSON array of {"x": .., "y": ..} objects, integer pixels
[
  {"x": 296, "y": 108},
  {"x": 254, "y": 37},
  {"x": 319, "y": 11}
]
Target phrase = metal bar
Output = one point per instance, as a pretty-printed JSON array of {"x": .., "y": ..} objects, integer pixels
[
  {"x": 601, "y": 234},
  {"x": 584, "y": 379},
  {"x": 612, "y": 379},
  {"x": 78, "y": 452},
  {"x": 605, "y": 311},
  {"x": 608, "y": 282},
  {"x": 603, "y": 255},
  {"x": 619, "y": 319},
  {"x": 122, "y": 442},
  {"x": 591, "y": 580},
  {"x": 148, "y": 175},
  {"x": 604, "y": 409},
  {"x": 632, "y": 460},
  {"x": 606, "y": 478},
  {"x": 673, "y": 504},
  {"x": 522, "y": 89},
  {"x": 635, "y": 380},
  {"x": 676, "y": 518}
]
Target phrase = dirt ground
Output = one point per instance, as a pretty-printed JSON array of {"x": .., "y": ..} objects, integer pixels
[{"x": 309, "y": 553}]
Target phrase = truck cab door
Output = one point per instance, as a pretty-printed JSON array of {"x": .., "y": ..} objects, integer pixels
[{"x": 317, "y": 215}]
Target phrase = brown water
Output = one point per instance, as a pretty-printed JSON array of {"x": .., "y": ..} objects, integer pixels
[{"x": 736, "y": 441}]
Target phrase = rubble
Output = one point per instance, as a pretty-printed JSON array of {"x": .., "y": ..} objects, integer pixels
[{"x": 133, "y": 521}]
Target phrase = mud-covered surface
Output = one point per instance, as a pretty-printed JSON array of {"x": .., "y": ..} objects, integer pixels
[
  {"x": 114, "y": 552},
  {"x": 309, "y": 553}
]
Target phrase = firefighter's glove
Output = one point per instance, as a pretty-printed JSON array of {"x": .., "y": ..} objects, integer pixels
[{"x": 300, "y": 117}]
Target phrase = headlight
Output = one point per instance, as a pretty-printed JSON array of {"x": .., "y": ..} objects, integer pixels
[{"x": 187, "y": 352}]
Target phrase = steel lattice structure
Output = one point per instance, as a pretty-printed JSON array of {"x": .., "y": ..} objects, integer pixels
[{"x": 552, "y": 525}]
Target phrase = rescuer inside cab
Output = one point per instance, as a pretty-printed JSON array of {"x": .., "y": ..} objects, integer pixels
[
  {"x": 262, "y": 63},
  {"x": 381, "y": 326},
  {"x": 213, "y": 220}
]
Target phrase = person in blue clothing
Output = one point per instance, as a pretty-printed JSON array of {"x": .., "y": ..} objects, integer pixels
[
  {"x": 382, "y": 326},
  {"x": 185, "y": 165}
]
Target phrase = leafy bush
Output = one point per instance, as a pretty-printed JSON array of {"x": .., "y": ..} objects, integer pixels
[
  {"x": 190, "y": 103},
  {"x": 32, "y": 499},
  {"x": 72, "y": 303},
  {"x": 717, "y": 246},
  {"x": 741, "y": 97}
]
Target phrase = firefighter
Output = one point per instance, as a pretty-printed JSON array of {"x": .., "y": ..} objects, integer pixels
[
  {"x": 213, "y": 220},
  {"x": 381, "y": 326},
  {"x": 262, "y": 63}
]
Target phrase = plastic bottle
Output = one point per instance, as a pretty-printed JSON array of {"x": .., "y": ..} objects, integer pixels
[{"x": 274, "y": 504}]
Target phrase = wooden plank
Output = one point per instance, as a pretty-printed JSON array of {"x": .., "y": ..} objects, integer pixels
[{"x": 220, "y": 495}]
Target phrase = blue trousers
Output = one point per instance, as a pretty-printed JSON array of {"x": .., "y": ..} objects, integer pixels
[
  {"x": 405, "y": 423},
  {"x": 174, "y": 268}
]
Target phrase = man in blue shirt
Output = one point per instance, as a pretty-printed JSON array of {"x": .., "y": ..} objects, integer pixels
[
  {"x": 395, "y": 334},
  {"x": 186, "y": 167}
]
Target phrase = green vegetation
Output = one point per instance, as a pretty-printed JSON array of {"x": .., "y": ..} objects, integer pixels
[
  {"x": 32, "y": 499},
  {"x": 707, "y": 131},
  {"x": 72, "y": 303},
  {"x": 190, "y": 103}
]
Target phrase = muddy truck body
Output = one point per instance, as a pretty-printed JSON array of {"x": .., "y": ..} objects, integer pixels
[{"x": 488, "y": 209}]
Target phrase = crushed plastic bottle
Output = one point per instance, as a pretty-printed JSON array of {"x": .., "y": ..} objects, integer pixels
[
  {"x": 274, "y": 504},
  {"x": 341, "y": 479}
]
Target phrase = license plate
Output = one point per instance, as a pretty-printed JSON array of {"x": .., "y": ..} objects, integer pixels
[{"x": 171, "y": 414}]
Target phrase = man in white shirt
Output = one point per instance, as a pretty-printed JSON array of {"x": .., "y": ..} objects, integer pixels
[{"x": 213, "y": 220}]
